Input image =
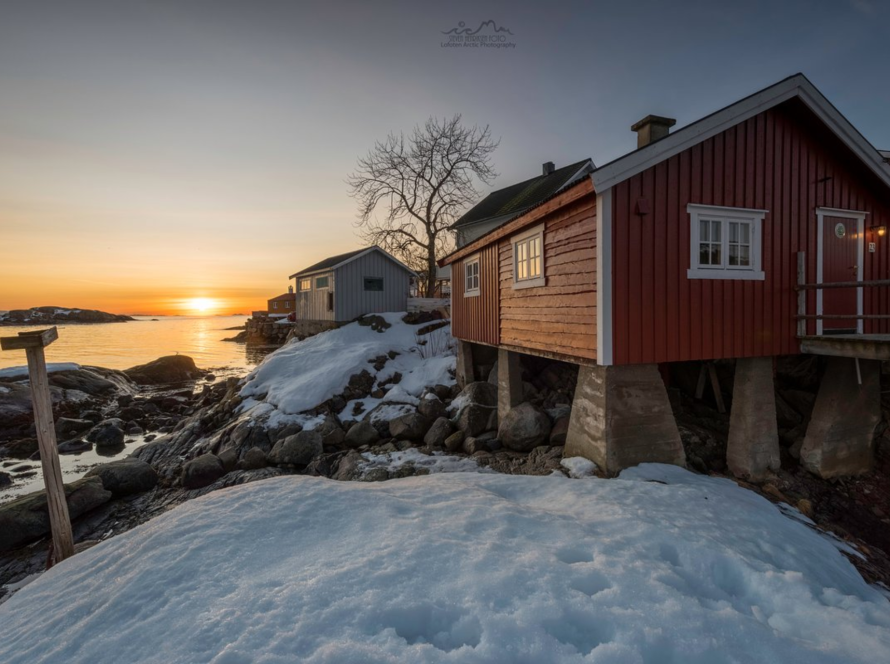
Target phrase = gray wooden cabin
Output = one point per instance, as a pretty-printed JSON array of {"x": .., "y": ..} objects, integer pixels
[{"x": 342, "y": 288}]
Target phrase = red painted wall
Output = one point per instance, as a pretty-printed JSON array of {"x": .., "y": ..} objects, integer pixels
[{"x": 778, "y": 161}]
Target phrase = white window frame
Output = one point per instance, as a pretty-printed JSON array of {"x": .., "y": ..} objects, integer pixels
[
  {"x": 274, "y": 305},
  {"x": 523, "y": 238},
  {"x": 753, "y": 272},
  {"x": 470, "y": 260},
  {"x": 303, "y": 281}
]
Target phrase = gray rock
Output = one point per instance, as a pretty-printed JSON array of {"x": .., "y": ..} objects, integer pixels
[
  {"x": 439, "y": 432},
  {"x": 482, "y": 393},
  {"x": 409, "y": 427},
  {"x": 455, "y": 441},
  {"x": 202, "y": 471},
  {"x": 126, "y": 476},
  {"x": 27, "y": 518},
  {"x": 361, "y": 433},
  {"x": 67, "y": 428},
  {"x": 442, "y": 391},
  {"x": 170, "y": 369},
  {"x": 524, "y": 428},
  {"x": 472, "y": 445},
  {"x": 493, "y": 374},
  {"x": 348, "y": 468},
  {"x": 297, "y": 450},
  {"x": 331, "y": 431},
  {"x": 559, "y": 431},
  {"x": 74, "y": 446},
  {"x": 474, "y": 418},
  {"x": 376, "y": 475},
  {"x": 431, "y": 407},
  {"x": 229, "y": 459},
  {"x": 108, "y": 433},
  {"x": 5, "y": 479},
  {"x": 254, "y": 459}
]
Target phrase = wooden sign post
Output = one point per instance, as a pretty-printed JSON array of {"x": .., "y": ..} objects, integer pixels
[{"x": 33, "y": 344}]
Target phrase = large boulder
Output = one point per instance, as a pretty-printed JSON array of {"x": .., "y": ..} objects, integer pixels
[
  {"x": 331, "y": 431},
  {"x": 202, "y": 471},
  {"x": 439, "y": 432},
  {"x": 169, "y": 369},
  {"x": 360, "y": 434},
  {"x": 412, "y": 426},
  {"x": 482, "y": 393},
  {"x": 27, "y": 518},
  {"x": 431, "y": 407},
  {"x": 475, "y": 419},
  {"x": 297, "y": 450},
  {"x": 67, "y": 428},
  {"x": 524, "y": 428},
  {"x": 126, "y": 476},
  {"x": 108, "y": 433},
  {"x": 254, "y": 459}
]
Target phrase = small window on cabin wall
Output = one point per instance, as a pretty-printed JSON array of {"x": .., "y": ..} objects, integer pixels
[
  {"x": 274, "y": 305},
  {"x": 471, "y": 276},
  {"x": 330, "y": 301},
  {"x": 373, "y": 283},
  {"x": 321, "y": 282},
  {"x": 528, "y": 259},
  {"x": 305, "y": 284},
  {"x": 725, "y": 243}
]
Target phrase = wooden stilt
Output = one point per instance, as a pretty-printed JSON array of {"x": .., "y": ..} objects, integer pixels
[
  {"x": 708, "y": 370},
  {"x": 33, "y": 344}
]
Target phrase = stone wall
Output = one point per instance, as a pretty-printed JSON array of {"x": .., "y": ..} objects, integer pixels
[
  {"x": 267, "y": 331},
  {"x": 307, "y": 328}
]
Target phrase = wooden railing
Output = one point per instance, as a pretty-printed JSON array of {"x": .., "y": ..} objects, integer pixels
[{"x": 802, "y": 287}]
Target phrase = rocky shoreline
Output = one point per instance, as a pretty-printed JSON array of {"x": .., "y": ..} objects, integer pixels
[
  {"x": 59, "y": 316},
  {"x": 203, "y": 437}
]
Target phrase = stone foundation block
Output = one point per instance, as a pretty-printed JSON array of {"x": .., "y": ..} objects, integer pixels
[
  {"x": 840, "y": 437},
  {"x": 621, "y": 417},
  {"x": 752, "y": 451},
  {"x": 509, "y": 382}
]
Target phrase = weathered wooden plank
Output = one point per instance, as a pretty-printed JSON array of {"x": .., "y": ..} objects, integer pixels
[{"x": 25, "y": 340}]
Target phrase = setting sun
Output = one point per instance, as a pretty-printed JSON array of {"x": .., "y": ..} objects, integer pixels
[{"x": 201, "y": 304}]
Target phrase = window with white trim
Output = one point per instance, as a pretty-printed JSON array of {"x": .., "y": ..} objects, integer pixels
[
  {"x": 305, "y": 284},
  {"x": 321, "y": 282},
  {"x": 471, "y": 276},
  {"x": 725, "y": 242},
  {"x": 528, "y": 258}
]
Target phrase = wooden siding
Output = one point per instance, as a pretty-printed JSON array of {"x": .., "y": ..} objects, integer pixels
[
  {"x": 313, "y": 304},
  {"x": 782, "y": 161},
  {"x": 477, "y": 318},
  {"x": 351, "y": 300},
  {"x": 559, "y": 317}
]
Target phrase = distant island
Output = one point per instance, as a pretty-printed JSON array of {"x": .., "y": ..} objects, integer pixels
[{"x": 59, "y": 315}]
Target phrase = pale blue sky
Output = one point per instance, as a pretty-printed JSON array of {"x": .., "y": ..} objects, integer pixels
[{"x": 220, "y": 125}]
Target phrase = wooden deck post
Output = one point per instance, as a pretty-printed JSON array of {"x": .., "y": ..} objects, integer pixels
[{"x": 33, "y": 344}]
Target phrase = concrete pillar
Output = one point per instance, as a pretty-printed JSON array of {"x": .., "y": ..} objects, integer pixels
[
  {"x": 840, "y": 435},
  {"x": 752, "y": 451},
  {"x": 621, "y": 417},
  {"x": 465, "y": 371},
  {"x": 509, "y": 382}
]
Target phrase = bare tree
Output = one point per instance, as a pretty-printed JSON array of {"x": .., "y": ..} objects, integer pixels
[{"x": 423, "y": 182}]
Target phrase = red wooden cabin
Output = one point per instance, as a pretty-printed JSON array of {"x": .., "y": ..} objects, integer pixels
[{"x": 693, "y": 247}]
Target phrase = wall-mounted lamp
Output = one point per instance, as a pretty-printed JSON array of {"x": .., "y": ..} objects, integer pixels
[{"x": 880, "y": 230}]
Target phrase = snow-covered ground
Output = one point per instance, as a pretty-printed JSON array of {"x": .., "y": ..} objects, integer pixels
[
  {"x": 18, "y": 372},
  {"x": 460, "y": 567},
  {"x": 302, "y": 374}
]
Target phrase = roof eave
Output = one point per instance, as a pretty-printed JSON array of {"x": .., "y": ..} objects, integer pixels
[{"x": 795, "y": 86}]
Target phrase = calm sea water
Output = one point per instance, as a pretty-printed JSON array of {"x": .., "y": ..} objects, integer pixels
[
  {"x": 121, "y": 346},
  {"x": 124, "y": 345}
]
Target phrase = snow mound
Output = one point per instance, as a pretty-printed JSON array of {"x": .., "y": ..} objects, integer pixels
[
  {"x": 303, "y": 374},
  {"x": 19, "y": 372},
  {"x": 460, "y": 567},
  {"x": 579, "y": 467}
]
